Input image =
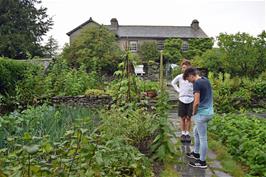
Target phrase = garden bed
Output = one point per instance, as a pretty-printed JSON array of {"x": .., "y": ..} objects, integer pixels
[{"x": 244, "y": 138}]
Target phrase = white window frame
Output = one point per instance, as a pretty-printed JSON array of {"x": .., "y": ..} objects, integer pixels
[
  {"x": 185, "y": 46},
  {"x": 160, "y": 44},
  {"x": 133, "y": 46}
]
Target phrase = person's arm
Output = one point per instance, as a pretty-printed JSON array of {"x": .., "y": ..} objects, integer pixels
[
  {"x": 174, "y": 83},
  {"x": 196, "y": 103}
]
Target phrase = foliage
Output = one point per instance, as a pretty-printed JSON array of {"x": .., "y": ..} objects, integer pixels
[
  {"x": 31, "y": 87},
  {"x": 130, "y": 122},
  {"x": 51, "y": 142},
  {"x": 163, "y": 147},
  {"x": 229, "y": 164},
  {"x": 172, "y": 49},
  {"x": 41, "y": 121},
  {"x": 235, "y": 94},
  {"x": 245, "y": 54},
  {"x": 147, "y": 85},
  {"x": 261, "y": 45},
  {"x": 95, "y": 92},
  {"x": 95, "y": 48},
  {"x": 176, "y": 71},
  {"x": 212, "y": 59},
  {"x": 245, "y": 139},
  {"x": 24, "y": 83},
  {"x": 124, "y": 89},
  {"x": 51, "y": 47},
  {"x": 148, "y": 51},
  {"x": 22, "y": 25},
  {"x": 10, "y": 73},
  {"x": 197, "y": 47},
  {"x": 62, "y": 80}
]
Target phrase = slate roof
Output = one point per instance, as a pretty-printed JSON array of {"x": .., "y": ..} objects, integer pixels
[
  {"x": 82, "y": 25},
  {"x": 138, "y": 31},
  {"x": 159, "y": 32}
]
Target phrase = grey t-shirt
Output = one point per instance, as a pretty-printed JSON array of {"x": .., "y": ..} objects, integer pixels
[{"x": 203, "y": 86}]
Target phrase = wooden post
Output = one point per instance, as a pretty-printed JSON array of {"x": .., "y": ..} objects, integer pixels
[
  {"x": 161, "y": 71},
  {"x": 128, "y": 78}
]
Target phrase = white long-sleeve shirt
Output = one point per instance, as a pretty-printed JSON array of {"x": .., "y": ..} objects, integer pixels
[{"x": 185, "y": 89}]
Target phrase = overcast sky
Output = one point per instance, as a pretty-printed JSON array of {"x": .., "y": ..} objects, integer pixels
[{"x": 214, "y": 16}]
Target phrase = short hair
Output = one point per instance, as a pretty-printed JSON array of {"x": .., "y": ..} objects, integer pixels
[
  {"x": 188, "y": 72},
  {"x": 185, "y": 62}
]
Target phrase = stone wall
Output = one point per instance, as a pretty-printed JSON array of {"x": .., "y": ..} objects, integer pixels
[{"x": 88, "y": 101}]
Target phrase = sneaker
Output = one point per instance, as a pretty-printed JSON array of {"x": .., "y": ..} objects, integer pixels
[
  {"x": 193, "y": 155},
  {"x": 198, "y": 164},
  {"x": 188, "y": 139},
  {"x": 183, "y": 138}
]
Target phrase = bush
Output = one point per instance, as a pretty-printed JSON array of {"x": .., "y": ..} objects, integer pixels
[
  {"x": 64, "y": 81},
  {"x": 234, "y": 94},
  {"x": 11, "y": 72},
  {"x": 19, "y": 82},
  {"x": 212, "y": 59},
  {"x": 148, "y": 51}
]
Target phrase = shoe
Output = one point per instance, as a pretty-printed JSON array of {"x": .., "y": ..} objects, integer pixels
[
  {"x": 198, "y": 164},
  {"x": 193, "y": 155},
  {"x": 183, "y": 138},
  {"x": 188, "y": 139}
]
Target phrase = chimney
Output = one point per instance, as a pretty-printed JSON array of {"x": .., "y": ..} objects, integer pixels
[
  {"x": 195, "y": 24},
  {"x": 114, "y": 24}
]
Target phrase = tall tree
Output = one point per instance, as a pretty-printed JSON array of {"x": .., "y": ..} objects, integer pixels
[
  {"x": 242, "y": 54},
  {"x": 96, "y": 48},
  {"x": 261, "y": 46},
  {"x": 51, "y": 47},
  {"x": 22, "y": 26}
]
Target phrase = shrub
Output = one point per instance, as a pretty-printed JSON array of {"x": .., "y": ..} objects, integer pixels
[
  {"x": 11, "y": 72},
  {"x": 148, "y": 51},
  {"x": 234, "y": 94},
  {"x": 64, "y": 81}
]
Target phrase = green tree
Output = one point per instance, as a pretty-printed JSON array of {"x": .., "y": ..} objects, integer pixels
[
  {"x": 51, "y": 47},
  {"x": 212, "y": 59},
  {"x": 172, "y": 48},
  {"x": 22, "y": 26},
  {"x": 197, "y": 47},
  {"x": 96, "y": 48},
  {"x": 243, "y": 56},
  {"x": 148, "y": 51},
  {"x": 261, "y": 46}
]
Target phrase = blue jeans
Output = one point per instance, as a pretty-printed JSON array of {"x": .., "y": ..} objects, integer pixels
[{"x": 200, "y": 135}]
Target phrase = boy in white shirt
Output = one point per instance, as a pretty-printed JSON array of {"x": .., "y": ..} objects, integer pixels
[{"x": 186, "y": 98}]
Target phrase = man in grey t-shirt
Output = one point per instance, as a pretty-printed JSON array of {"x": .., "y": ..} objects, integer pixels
[{"x": 202, "y": 113}]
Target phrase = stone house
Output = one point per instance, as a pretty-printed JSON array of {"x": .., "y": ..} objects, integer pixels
[{"x": 134, "y": 35}]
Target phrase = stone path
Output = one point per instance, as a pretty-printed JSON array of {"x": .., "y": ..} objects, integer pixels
[{"x": 214, "y": 166}]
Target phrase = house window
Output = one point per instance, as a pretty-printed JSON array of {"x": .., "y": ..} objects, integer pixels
[
  {"x": 185, "y": 46},
  {"x": 133, "y": 46},
  {"x": 160, "y": 45}
]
